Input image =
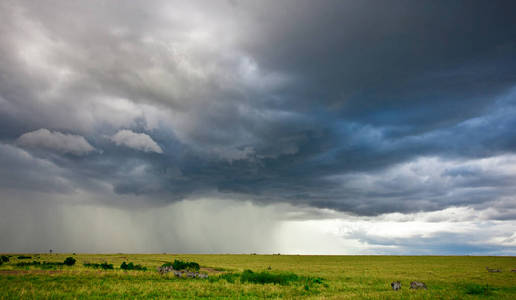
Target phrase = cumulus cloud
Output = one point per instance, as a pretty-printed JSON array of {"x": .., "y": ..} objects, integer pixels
[
  {"x": 137, "y": 141},
  {"x": 55, "y": 141}
]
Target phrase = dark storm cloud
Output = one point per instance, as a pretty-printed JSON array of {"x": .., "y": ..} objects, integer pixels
[{"x": 323, "y": 104}]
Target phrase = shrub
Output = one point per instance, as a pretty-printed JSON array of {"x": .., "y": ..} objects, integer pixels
[
  {"x": 104, "y": 266},
  {"x": 5, "y": 258},
  {"x": 24, "y": 257},
  {"x": 131, "y": 266},
  {"x": 69, "y": 261},
  {"x": 24, "y": 264},
  {"x": 182, "y": 265},
  {"x": 43, "y": 265},
  {"x": 266, "y": 277}
]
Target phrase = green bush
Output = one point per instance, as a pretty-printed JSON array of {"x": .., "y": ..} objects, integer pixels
[
  {"x": 69, "y": 261},
  {"x": 24, "y": 257},
  {"x": 131, "y": 266},
  {"x": 44, "y": 265},
  {"x": 266, "y": 277},
  {"x": 182, "y": 265},
  {"x": 5, "y": 258},
  {"x": 24, "y": 264}
]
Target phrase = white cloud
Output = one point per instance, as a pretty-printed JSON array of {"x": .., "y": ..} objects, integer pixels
[
  {"x": 137, "y": 141},
  {"x": 57, "y": 141},
  {"x": 460, "y": 230}
]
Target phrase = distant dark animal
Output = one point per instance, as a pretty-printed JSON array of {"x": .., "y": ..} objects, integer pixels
[
  {"x": 396, "y": 285},
  {"x": 513, "y": 270},
  {"x": 417, "y": 285},
  {"x": 493, "y": 270}
]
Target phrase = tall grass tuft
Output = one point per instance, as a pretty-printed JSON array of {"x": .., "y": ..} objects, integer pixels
[
  {"x": 477, "y": 289},
  {"x": 266, "y": 277}
]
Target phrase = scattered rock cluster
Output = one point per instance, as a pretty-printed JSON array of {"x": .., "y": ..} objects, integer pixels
[{"x": 182, "y": 273}]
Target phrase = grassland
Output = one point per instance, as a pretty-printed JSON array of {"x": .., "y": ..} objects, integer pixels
[{"x": 342, "y": 277}]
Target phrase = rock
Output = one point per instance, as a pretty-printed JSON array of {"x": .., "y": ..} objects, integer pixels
[
  {"x": 396, "y": 285},
  {"x": 417, "y": 285}
]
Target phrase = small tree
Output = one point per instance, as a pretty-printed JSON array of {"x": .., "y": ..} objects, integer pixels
[{"x": 69, "y": 261}]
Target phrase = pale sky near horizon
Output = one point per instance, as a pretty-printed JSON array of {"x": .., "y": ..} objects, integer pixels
[{"x": 303, "y": 127}]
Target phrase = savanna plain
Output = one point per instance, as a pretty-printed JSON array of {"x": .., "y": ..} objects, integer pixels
[{"x": 250, "y": 276}]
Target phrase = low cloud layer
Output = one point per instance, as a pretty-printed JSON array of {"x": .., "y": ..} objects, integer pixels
[{"x": 360, "y": 108}]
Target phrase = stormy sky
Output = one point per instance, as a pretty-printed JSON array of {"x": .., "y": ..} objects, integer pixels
[{"x": 322, "y": 127}]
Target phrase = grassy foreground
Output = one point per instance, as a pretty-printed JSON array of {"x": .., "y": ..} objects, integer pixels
[{"x": 316, "y": 277}]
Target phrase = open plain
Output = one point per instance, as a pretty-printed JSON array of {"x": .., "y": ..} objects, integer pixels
[{"x": 310, "y": 277}]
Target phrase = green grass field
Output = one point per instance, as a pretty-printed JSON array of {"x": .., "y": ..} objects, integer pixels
[{"x": 316, "y": 277}]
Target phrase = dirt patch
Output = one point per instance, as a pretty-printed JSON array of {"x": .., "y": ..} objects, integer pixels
[{"x": 211, "y": 270}]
